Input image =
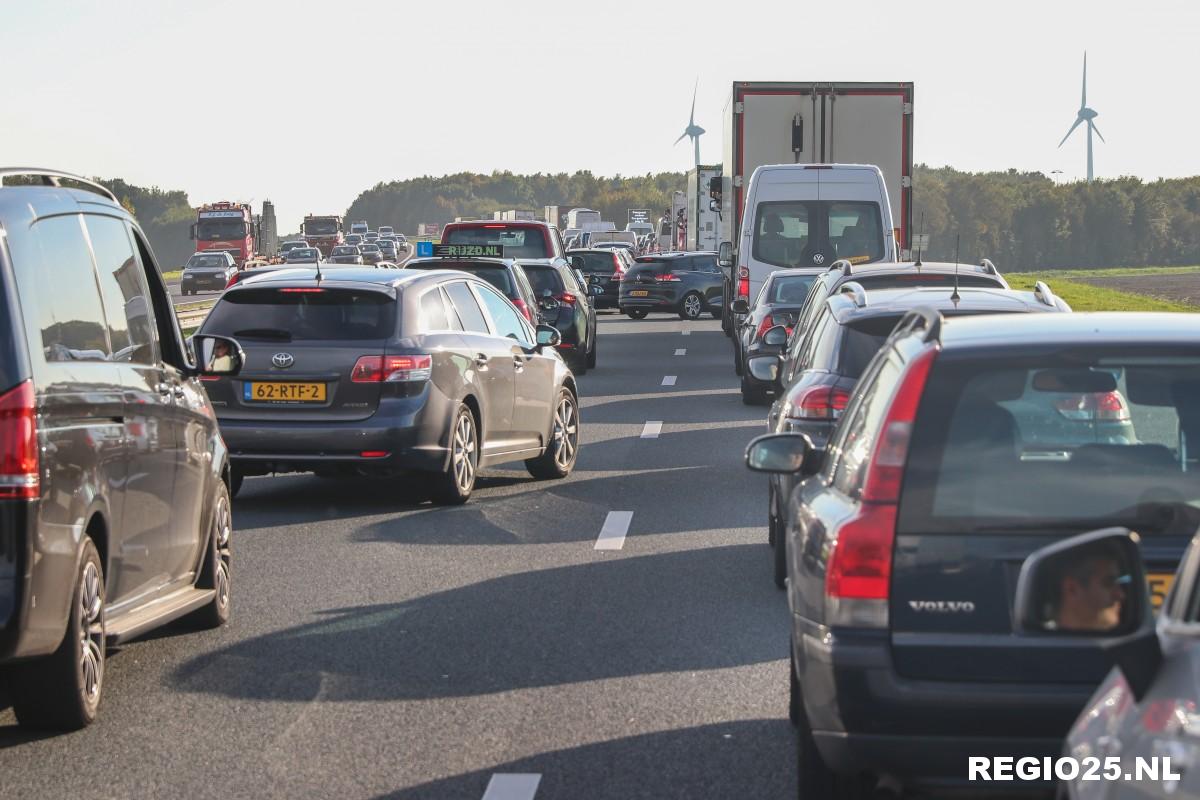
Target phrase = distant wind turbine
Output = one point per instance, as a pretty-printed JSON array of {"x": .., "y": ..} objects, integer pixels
[
  {"x": 693, "y": 130},
  {"x": 1087, "y": 115}
]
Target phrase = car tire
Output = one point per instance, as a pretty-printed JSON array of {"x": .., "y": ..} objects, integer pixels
[
  {"x": 771, "y": 522},
  {"x": 717, "y": 312},
  {"x": 691, "y": 306},
  {"x": 235, "y": 481},
  {"x": 636, "y": 313},
  {"x": 215, "y": 574},
  {"x": 454, "y": 486},
  {"x": 795, "y": 699},
  {"x": 815, "y": 778},
  {"x": 779, "y": 553},
  {"x": 563, "y": 448},
  {"x": 752, "y": 395},
  {"x": 738, "y": 367},
  {"x": 62, "y": 691},
  {"x": 591, "y": 356}
]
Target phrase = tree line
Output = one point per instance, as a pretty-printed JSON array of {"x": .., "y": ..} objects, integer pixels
[{"x": 1023, "y": 221}]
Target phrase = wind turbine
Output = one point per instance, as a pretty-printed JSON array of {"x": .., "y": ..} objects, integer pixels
[
  {"x": 1085, "y": 115},
  {"x": 693, "y": 130}
]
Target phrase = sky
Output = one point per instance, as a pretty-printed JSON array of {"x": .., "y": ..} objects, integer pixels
[{"x": 308, "y": 103}]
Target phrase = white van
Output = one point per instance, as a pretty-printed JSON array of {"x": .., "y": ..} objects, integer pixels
[{"x": 808, "y": 216}]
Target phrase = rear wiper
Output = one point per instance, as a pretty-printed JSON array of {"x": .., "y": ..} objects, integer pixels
[{"x": 277, "y": 334}]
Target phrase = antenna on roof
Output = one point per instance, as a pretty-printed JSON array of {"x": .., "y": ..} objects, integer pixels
[
  {"x": 920, "y": 241},
  {"x": 956, "y": 296},
  {"x": 319, "y": 265}
]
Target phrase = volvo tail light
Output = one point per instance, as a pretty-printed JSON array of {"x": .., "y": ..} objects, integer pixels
[
  {"x": 392, "y": 369},
  {"x": 820, "y": 402},
  {"x": 861, "y": 565},
  {"x": 19, "y": 460}
]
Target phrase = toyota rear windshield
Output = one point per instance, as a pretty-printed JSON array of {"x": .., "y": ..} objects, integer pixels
[
  {"x": 301, "y": 314},
  {"x": 1061, "y": 443},
  {"x": 517, "y": 242}
]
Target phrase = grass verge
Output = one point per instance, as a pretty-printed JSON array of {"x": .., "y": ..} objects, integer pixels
[{"x": 1085, "y": 297}]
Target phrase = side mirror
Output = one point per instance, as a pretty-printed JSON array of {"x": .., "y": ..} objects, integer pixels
[
  {"x": 548, "y": 336},
  {"x": 776, "y": 337},
  {"x": 1093, "y": 585},
  {"x": 714, "y": 205},
  {"x": 739, "y": 306},
  {"x": 787, "y": 453},
  {"x": 218, "y": 355},
  {"x": 764, "y": 368},
  {"x": 725, "y": 254},
  {"x": 715, "y": 187}
]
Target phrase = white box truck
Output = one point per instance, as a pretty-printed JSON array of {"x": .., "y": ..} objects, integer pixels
[{"x": 703, "y": 221}]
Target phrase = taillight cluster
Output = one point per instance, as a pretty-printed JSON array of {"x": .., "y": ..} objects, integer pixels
[
  {"x": 859, "y": 574},
  {"x": 667, "y": 277},
  {"x": 743, "y": 288},
  {"x": 566, "y": 297},
  {"x": 769, "y": 322},
  {"x": 19, "y": 463},
  {"x": 618, "y": 270},
  {"x": 523, "y": 308},
  {"x": 392, "y": 369},
  {"x": 820, "y": 402},
  {"x": 1095, "y": 407}
]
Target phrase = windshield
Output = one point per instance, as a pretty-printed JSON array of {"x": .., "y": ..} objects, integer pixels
[
  {"x": 210, "y": 230},
  {"x": 320, "y": 227},
  {"x": 544, "y": 279},
  {"x": 517, "y": 242},
  {"x": 286, "y": 316},
  {"x": 370, "y": 248},
  {"x": 1091, "y": 437},
  {"x": 287, "y": 247},
  {"x": 206, "y": 262},
  {"x": 789, "y": 234}
]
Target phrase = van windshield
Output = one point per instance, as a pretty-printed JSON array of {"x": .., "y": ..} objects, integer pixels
[
  {"x": 795, "y": 233},
  {"x": 1065, "y": 437}
]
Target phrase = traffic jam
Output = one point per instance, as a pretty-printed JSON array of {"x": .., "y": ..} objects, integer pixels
[{"x": 750, "y": 500}]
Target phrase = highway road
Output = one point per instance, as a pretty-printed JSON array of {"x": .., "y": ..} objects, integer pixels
[{"x": 612, "y": 635}]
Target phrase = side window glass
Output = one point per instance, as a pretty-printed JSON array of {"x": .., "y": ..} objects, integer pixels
[
  {"x": 170, "y": 337},
  {"x": 123, "y": 287},
  {"x": 67, "y": 302},
  {"x": 468, "y": 310},
  {"x": 811, "y": 337},
  {"x": 451, "y": 314},
  {"x": 860, "y": 434},
  {"x": 433, "y": 311},
  {"x": 504, "y": 317}
]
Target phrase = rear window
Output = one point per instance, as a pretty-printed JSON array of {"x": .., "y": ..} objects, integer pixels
[
  {"x": 597, "y": 263},
  {"x": 280, "y": 315},
  {"x": 1085, "y": 439},
  {"x": 544, "y": 279},
  {"x": 902, "y": 280},
  {"x": 860, "y": 342},
  {"x": 659, "y": 266},
  {"x": 789, "y": 289},
  {"x": 517, "y": 242}
]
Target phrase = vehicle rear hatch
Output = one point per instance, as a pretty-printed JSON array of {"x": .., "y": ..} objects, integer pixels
[
  {"x": 301, "y": 344},
  {"x": 543, "y": 279},
  {"x": 600, "y": 269},
  {"x": 652, "y": 280},
  {"x": 982, "y": 491}
]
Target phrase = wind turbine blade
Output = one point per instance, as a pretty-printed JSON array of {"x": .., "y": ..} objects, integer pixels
[
  {"x": 1078, "y": 121},
  {"x": 681, "y": 138},
  {"x": 1083, "y": 102},
  {"x": 692, "y": 116},
  {"x": 1097, "y": 130}
]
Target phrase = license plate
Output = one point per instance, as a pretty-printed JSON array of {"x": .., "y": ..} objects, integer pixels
[
  {"x": 639, "y": 293},
  {"x": 1160, "y": 585},
  {"x": 263, "y": 392}
]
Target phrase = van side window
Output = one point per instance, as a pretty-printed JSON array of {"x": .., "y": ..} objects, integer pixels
[
  {"x": 66, "y": 298},
  {"x": 123, "y": 287},
  {"x": 170, "y": 337}
]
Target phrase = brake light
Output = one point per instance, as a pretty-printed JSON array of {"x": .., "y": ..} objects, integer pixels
[
  {"x": 820, "y": 402},
  {"x": 233, "y": 279},
  {"x": 392, "y": 369},
  {"x": 743, "y": 288},
  {"x": 767, "y": 323},
  {"x": 301, "y": 290},
  {"x": 861, "y": 565},
  {"x": 1101, "y": 406},
  {"x": 19, "y": 460},
  {"x": 886, "y": 468},
  {"x": 496, "y": 226},
  {"x": 667, "y": 277},
  {"x": 524, "y": 309},
  {"x": 566, "y": 297},
  {"x": 374, "y": 454}
]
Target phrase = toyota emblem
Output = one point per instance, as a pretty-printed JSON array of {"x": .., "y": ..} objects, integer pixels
[
  {"x": 283, "y": 360},
  {"x": 818, "y": 259}
]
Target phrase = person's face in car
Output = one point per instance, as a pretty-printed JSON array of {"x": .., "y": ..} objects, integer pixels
[{"x": 1093, "y": 602}]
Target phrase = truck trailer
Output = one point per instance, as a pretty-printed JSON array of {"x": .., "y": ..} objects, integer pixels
[{"x": 703, "y": 230}]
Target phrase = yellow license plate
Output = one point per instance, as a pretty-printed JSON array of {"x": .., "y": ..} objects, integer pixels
[
  {"x": 1160, "y": 585},
  {"x": 263, "y": 392},
  {"x": 639, "y": 293}
]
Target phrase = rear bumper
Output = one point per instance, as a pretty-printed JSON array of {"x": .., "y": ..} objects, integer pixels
[
  {"x": 865, "y": 717},
  {"x": 410, "y": 430}
]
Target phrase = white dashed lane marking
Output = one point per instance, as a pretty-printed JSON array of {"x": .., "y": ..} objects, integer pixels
[
  {"x": 681, "y": 351},
  {"x": 612, "y": 534},
  {"x": 687, "y": 333},
  {"x": 668, "y": 380},
  {"x": 512, "y": 786},
  {"x": 652, "y": 429}
]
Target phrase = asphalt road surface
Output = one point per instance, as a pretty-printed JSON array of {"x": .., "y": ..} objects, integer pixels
[{"x": 384, "y": 648}]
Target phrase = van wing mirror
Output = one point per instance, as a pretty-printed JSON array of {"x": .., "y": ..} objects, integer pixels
[{"x": 725, "y": 254}]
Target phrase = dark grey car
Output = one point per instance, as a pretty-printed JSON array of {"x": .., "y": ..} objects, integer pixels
[
  {"x": 207, "y": 272},
  {"x": 113, "y": 479},
  {"x": 687, "y": 284},
  {"x": 386, "y": 372}
]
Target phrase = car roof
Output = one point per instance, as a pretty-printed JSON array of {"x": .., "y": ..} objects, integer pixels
[
  {"x": 496, "y": 262},
  {"x": 22, "y": 204},
  {"x": 892, "y": 302},
  {"x": 505, "y": 222},
  {"x": 343, "y": 277},
  {"x": 675, "y": 254},
  {"x": 910, "y": 268},
  {"x": 1147, "y": 328}
]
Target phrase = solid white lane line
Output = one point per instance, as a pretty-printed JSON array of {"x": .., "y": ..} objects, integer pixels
[
  {"x": 687, "y": 333},
  {"x": 652, "y": 429},
  {"x": 668, "y": 380},
  {"x": 512, "y": 786},
  {"x": 681, "y": 351},
  {"x": 612, "y": 534}
]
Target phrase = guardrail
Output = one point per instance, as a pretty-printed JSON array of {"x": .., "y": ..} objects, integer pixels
[{"x": 192, "y": 316}]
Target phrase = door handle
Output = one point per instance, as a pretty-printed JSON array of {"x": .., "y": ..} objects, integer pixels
[
  {"x": 165, "y": 390},
  {"x": 178, "y": 391},
  {"x": 481, "y": 359}
]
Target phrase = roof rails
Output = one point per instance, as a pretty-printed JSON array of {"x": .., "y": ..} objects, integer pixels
[
  {"x": 841, "y": 264},
  {"x": 1044, "y": 295},
  {"x": 51, "y": 177},
  {"x": 856, "y": 291},
  {"x": 922, "y": 318},
  {"x": 989, "y": 267}
]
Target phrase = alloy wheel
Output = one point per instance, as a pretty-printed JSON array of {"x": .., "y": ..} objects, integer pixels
[
  {"x": 691, "y": 306},
  {"x": 464, "y": 453},
  {"x": 222, "y": 532},
  {"x": 91, "y": 633},
  {"x": 566, "y": 432}
]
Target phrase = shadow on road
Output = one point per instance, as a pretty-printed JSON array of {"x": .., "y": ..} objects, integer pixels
[{"x": 606, "y": 619}]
